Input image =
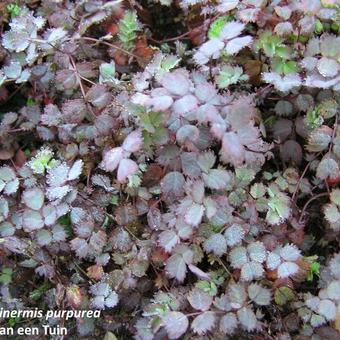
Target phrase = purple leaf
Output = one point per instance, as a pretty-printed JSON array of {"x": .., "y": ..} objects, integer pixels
[
  {"x": 187, "y": 133},
  {"x": 199, "y": 299},
  {"x": 175, "y": 323},
  {"x": 133, "y": 142},
  {"x": 231, "y": 30},
  {"x": 176, "y": 83},
  {"x": 236, "y": 45},
  {"x": 291, "y": 152},
  {"x": 173, "y": 184},
  {"x": 176, "y": 267},
  {"x": 99, "y": 96},
  {"x": 32, "y": 220},
  {"x": 194, "y": 214},
  {"x": 232, "y": 150},
  {"x": 112, "y": 158},
  {"x": 74, "y": 111},
  {"x": 199, "y": 273},
  {"x": 185, "y": 104},
  {"x": 203, "y": 323},
  {"x": 33, "y": 198},
  {"x": 168, "y": 239},
  {"x": 160, "y": 103},
  {"x": 127, "y": 167}
]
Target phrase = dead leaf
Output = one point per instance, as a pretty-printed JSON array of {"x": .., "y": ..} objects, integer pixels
[
  {"x": 198, "y": 36},
  {"x": 111, "y": 28},
  {"x": 143, "y": 51},
  {"x": 159, "y": 256},
  {"x": 119, "y": 57},
  {"x": 271, "y": 274},
  {"x": 328, "y": 333},
  {"x": 253, "y": 70},
  {"x": 152, "y": 176},
  {"x": 161, "y": 281},
  {"x": 297, "y": 236},
  {"x": 3, "y": 94},
  {"x": 6, "y": 154},
  {"x": 60, "y": 293},
  {"x": 74, "y": 296},
  {"x": 95, "y": 272},
  {"x": 337, "y": 319},
  {"x": 20, "y": 158}
]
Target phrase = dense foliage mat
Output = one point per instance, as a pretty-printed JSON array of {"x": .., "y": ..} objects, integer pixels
[{"x": 172, "y": 164}]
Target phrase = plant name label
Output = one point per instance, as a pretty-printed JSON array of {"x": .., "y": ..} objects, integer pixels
[
  {"x": 45, "y": 330},
  {"x": 16, "y": 319}
]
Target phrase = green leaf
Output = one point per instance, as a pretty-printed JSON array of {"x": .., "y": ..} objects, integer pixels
[
  {"x": 313, "y": 118},
  {"x": 151, "y": 121},
  {"x": 110, "y": 336},
  {"x": 245, "y": 175},
  {"x": 42, "y": 161},
  {"x": 216, "y": 27},
  {"x": 169, "y": 62},
  {"x": 36, "y": 294},
  {"x": 134, "y": 181},
  {"x": 279, "y": 208},
  {"x": 283, "y": 295},
  {"x": 230, "y": 75},
  {"x": 30, "y": 102},
  {"x": 13, "y": 321},
  {"x": 206, "y": 286},
  {"x": 257, "y": 190},
  {"x": 335, "y": 196},
  {"x": 13, "y": 9},
  {"x": 6, "y": 276},
  {"x": 107, "y": 72},
  {"x": 283, "y": 66},
  {"x": 147, "y": 124},
  {"x": 114, "y": 200},
  {"x": 313, "y": 270},
  {"x": 65, "y": 221},
  {"x": 282, "y": 51},
  {"x": 270, "y": 44},
  {"x": 318, "y": 27},
  {"x": 128, "y": 26}
]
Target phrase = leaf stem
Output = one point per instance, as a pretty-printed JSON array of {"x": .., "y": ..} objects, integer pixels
[
  {"x": 302, "y": 176},
  {"x": 323, "y": 194},
  {"x": 110, "y": 45},
  {"x": 81, "y": 85}
]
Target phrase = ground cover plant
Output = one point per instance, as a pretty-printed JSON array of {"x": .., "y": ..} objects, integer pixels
[{"x": 173, "y": 164}]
